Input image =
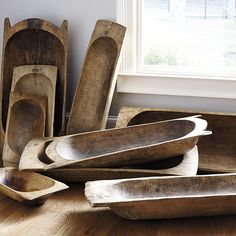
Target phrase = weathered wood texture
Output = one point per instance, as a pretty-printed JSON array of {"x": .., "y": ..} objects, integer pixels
[
  {"x": 32, "y": 42},
  {"x": 217, "y": 153},
  {"x": 35, "y": 158},
  {"x": 27, "y": 187},
  {"x": 165, "y": 197},
  {"x": 98, "y": 78},
  {"x": 131, "y": 145},
  {"x": 67, "y": 213},
  {"x": 186, "y": 166},
  {"x": 39, "y": 80},
  {"x": 26, "y": 120}
]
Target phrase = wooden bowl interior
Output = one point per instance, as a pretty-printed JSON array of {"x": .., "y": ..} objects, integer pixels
[
  {"x": 173, "y": 187},
  {"x": 24, "y": 181},
  {"x": 25, "y": 123},
  {"x": 218, "y": 150},
  {"x": 97, "y": 143},
  {"x": 31, "y": 47},
  {"x": 97, "y": 77}
]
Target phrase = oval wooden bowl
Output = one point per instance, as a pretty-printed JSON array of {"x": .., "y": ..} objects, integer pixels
[
  {"x": 28, "y": 187},
  {"x": 26, "y": 120},
  {"x": 165, "y": 197},
  {"x": 119, "y": 147}
]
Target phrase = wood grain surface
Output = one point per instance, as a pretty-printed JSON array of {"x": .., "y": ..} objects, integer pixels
[{"x": 68, "y": 213}]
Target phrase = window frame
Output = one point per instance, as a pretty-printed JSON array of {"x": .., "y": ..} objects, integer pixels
[{"x": 130, "y": 80}]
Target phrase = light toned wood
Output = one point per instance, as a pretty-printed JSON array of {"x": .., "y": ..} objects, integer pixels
[
  {"x": 26, "y": 120},
  {"x": 216, "y": 153},
  {"x": 68, "y": 213},
  {"x": 40, "y": 80},
  {"x": 165, "y": 197},
  {"x": 28, "y": 187},
  {"x": 29, "y": 42},
  {"x": 34, "y": 158},
  {"x": 188, "y": 167},
  {"x": 98, "y": 78},
  {"x": 119, "y": 147}
]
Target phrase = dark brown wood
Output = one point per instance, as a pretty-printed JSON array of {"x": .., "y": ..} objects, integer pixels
[
  {"x": 166, "y": 197},
  {"x": 131, "y": 145},
  {"x": 27, "y": 187},
  {"x": 217, "y": 153},
  {"x": 31, "y": 42},
  {"x": 26, "y": 120},
  {"x": 98, "y": 78}
]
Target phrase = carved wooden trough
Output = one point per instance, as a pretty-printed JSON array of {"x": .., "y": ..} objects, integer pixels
[
  {"x": 35, "y": 158},
  {"x": 98, "y": 78},
  {"x": 217, "y": 154},
  {"x": 131, "y": 145},
  {"x": 165, "y": 197},
  {"x": 26, "y": 120},
  {"x": 28, "y": 187},
  {"x": 30, "y": 42}
]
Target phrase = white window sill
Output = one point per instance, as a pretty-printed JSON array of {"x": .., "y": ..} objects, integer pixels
[{"x": 208, "y": 87}]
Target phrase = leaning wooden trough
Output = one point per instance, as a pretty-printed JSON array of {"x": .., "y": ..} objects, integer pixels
[
  {"x": 28, "y": 187},
  {"x": 165, "y": 197},
  {"x": 131, "y": 145}
]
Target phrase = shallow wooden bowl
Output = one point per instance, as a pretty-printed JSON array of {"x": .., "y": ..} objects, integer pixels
[
  {"x": 28, "y": 187},
  {"x": 165, "y": 197}
]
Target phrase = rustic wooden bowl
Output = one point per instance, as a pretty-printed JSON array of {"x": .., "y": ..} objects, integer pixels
[
  {"x": 28, "y": 187},
  {"x": 29, "y": 42},
  {"x": 131, "y": 145},
  {"x": 40, "y": 80},
  {"x": 98, "y": 78},
  {"x": 217, "y": 154},
  {"x": 165, "y": 197},
  {"x": 26, "y": 120}
]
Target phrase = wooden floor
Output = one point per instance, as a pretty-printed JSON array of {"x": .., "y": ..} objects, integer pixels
[{"x": 68, "y": 213}]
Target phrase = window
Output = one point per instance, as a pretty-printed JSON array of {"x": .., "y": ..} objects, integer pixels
[{"x": 184, "y": 47}]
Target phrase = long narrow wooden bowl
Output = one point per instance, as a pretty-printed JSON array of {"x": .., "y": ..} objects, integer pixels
[
  {"x": 28, "y": 187},
  {"x": 187, "y": 166},
  {"x": 217, "y": 154},
  {"x": 40, "y": 80},
  {"x": 29, "y": 42},
  {"x": 98, "y": 78},
  {"x": 35, "y": 158},
  {"x": 166, "y": 197},
  {"x": 26, "y": 120},
  {"x": 131, "y": 145}
]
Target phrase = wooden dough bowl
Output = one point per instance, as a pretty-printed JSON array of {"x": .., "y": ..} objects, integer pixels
[
  {"x": 165, "y": 197},
  {"x": 27, "y": 187},
  {"x": 40, "y": 80},
  {"x": 26, "y": 120},
  {"x": 217, "y": 153},
  {"x": 95, "y": 89},
  {"x": 131, "y": 145}
]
